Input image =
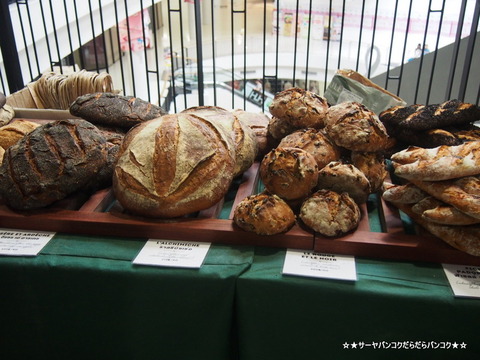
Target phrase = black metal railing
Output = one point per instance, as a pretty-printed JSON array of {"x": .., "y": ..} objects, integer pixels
[{"x": 176, "y": 52}]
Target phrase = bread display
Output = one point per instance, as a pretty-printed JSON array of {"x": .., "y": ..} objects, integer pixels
[
  {"x": 172, "y": 166},
  {"x": 352, "y": 126},
  {"x": 330, "y": 213},
  {"x": 264, "y": 214},
  {"x": 244, "y": 140},
  {"x": 103, "y": 108},
  {"x": 440, "y": 163},
  {"x": 300, "y": 108},
  {"x": 315, "y": 142},
  {"x": 341, "y": 177},
  {"x": 11, "y": 133},
  {"x": 68, "y": 155},
  {"x": 290, "y": 173}
]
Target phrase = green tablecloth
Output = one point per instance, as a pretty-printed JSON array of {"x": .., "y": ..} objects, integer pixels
[
  {"x": 82, "y": 298},
  {"x": 288, "y": 317}
]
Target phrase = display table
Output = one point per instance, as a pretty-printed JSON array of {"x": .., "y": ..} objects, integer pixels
[{"x": 83, "y": 298}]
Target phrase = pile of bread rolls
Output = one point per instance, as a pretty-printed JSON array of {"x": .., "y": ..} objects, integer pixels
[
  {"x": 441, "y": 191},
  {"x": 326, "y": 162}
]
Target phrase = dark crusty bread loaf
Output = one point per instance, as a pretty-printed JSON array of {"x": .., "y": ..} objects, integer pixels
[
  {"x": 114, "y": 110},
  {"x": 264, "y": 214},
  {"x": 51, "y": 162},
  {"x": 172, "y": 166},
  {"x": 290, "y": 173}
]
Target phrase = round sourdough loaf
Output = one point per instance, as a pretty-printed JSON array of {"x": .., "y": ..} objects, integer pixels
[
  {"x": 243, "y": 137},
  {"x": 172, "y": 166},
  {"x": 53, "y": 161}
]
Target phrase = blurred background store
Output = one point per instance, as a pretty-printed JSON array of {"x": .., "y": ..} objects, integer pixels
[{"x": 239, "y": 53}]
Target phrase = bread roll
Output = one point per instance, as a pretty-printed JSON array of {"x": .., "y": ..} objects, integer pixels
[
  {"x": 114, "y": 110},
  {"x": 172, "y": 166},
  {"x": 330, "y": 213},
  {"x": 68, "y": 154},
  {"x": 440, "y": 163},
  {"x": 300, "y": 108},
  {"x": 341, "y": 177},
  {"x": 11, "y": 133},
  {"x": 315, "y": 142},
  {"x": 373, "y": 166},
  {"x": 264, "y": 214},
  {"x": 279, "y": 128},
  {"x": 244, "y": 139},
  {"x": 352, "y": 126},
  {"x": 290, "y": 173}
]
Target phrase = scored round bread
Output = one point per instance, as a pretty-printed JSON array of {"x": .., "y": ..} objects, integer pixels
[
  {"x": 244, "y": 138},
  {"x": 300, "y": 108},
  {"x": 352, "y": 126},
  {"x": 51, "y": 162},
  {"x": 342, "y": 177},
  {"x": 172, "y": 166},
  {"x": 330, "y": 213},
  {"x": 315, "y": 142},
  {"x": 11, "y": 133},
  {"x": 290, "y": 173},
  {"x": 264, "y": 214}
]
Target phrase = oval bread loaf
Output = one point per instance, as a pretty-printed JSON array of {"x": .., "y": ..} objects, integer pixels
[
  {"x": 51, "y": 162},
  {"x": 172, "y": 166}
]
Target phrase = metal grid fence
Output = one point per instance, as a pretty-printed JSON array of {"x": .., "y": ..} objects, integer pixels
[{"x": 181, "y": 53}]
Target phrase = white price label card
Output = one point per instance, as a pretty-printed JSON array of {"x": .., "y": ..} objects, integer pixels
[
  {"x": 22, "y": 242},
  {"x": 172, "y": 253},
  {"x": 464, "y": 279},
  {"x": 313, "y": 264}
]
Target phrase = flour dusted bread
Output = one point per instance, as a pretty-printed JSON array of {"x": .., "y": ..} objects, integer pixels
[
  {"x": 440, "y": 163},
  {"x": 330, "y": 213},
  {"x": 172, "y": 166},
  {"x": 51, "y": 162},
  {"x": 341, "y": 177},
  {"x": 243, "y": 137},
  {"x": 300, "y": 108},
  {"x": 352, "y": 126},
  {"x": 264, "y": 214},
  {"x": 315, "y": 142},
  {"x": 290, "y": 173}
]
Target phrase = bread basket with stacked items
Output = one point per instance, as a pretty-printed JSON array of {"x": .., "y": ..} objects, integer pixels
[{"x": 325, "y": 162}]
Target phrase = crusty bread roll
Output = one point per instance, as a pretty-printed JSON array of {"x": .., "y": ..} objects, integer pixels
[
  {"x": 290, "y": 173},
  {"x": 300, "y": 108},
  {"x": 440, "y": 163},
  {"x": 432, "y": 209},
  {"x": 11, "y": 133},
  {"x": 279, "y": 128},
  {"x": 68, "y": 154},
  {"x": 341, "y": 177},
  {"x": 372, "y": 164},
  {"x": 462, "y": 193},
  {"x": 330, "y": 213},
  {"x": 244, "y": 139},
  {"x": 352, "y": 126},
  {"x": 463, "y": 238},
  {"x": 172, "y": 166},
  {"x": 405, "y": 193},
  {"x": 258, "y": 122},
  {"x": 264, "y": 214},
  {"x": 114, "y": 110},
  {"x": 315, "y": 142}
]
